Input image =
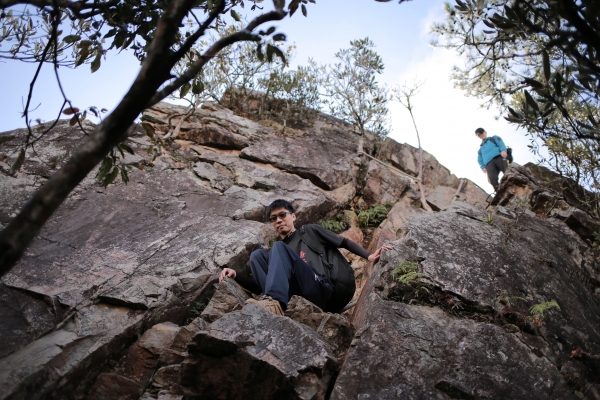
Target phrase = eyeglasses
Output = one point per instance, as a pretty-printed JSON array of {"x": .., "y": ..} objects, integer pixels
[{"x": 281, "y": 215}]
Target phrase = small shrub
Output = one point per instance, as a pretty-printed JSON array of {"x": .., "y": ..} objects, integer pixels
[
  {"x": 595, "y": 242},
  {"x": 374, "y": 215},
  {"x": 197, "y": 308},
  {"x": 489, "y": 218}
]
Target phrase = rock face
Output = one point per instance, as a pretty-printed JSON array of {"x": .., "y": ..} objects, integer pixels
[
  {"x": 462, "y": 325},
  {"x": 116, "y": 298}
]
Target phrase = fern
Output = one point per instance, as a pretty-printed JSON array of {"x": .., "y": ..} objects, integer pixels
[
  {"x": 407, "y": 273},
  {"x": 337, "y": 225},
  {"x": 374, "y": 215},
  {"x": 507, "y": 300},
  {"x": 333, "y": 225},
  {"x": 537, "y": 311}
]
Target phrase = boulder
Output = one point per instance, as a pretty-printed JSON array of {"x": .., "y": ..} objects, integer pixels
[
  {"x": 549, "y": 195},
  {"x": 228, "y": 297},
  {"x": 254, "y": 353},
  {"x": 333, "y": 328}
]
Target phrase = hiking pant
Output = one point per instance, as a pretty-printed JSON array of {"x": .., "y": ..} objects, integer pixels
[
  {"x": 282, "y": 274},
  {"x": 493, "y": 168}
]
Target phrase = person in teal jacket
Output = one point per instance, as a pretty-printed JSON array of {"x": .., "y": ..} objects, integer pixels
[{"x": 491, "y": 156}]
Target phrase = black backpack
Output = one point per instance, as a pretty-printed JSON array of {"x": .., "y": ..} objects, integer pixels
[
  {"x": 509, "y": 155},
  {"x": 338, "y": 271}
]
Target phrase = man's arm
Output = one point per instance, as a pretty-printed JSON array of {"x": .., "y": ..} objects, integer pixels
[
  {"x": 357, "y": 249},
  {"x": 480, "y": 160},
  {"x": 329, "y": 238},
  {"x": 248, "y": 284}
]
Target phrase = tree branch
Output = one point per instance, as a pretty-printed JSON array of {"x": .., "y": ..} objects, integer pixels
[
  {"x": 156, "y": 69},
  {"x": 219, "y": 45}
]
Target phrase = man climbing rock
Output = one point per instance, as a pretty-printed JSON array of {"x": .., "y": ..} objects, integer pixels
[
  {"x": 491, "y": 156},
  {"x": 305, "y": 262}
]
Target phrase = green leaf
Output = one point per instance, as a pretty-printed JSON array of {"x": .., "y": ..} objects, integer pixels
[
  {"x": 111, "y": 177},
  {"x": 303, "y": 10},
  {"x": 71, "y": 38},
  {"x": 106, "y": 165},
  {"x": 558, "y": 84},
  {"x": 184, "y": 90},
  {"x": 73, "y": 120},
  {"x": 534, "y": 84},
  {"x": 274, "y": 50},
  {"x": 293, "y": 6},
  {"x": 124, "y": 176},
  {"x": 70, "y": 111},
  {"x": 83, "y": 54},
  {"x": 127, "y": 148},
  {"x": 149, "y": 129},
  {"x": 110, "y": 33},
  {"x": 18, "y": 162},
  {"x": 198, "y": 87},
  {"x": 280, "y": 37},
  {"x": 6, "y": 138},
  {"x": 546, "y": 60},
  {"x": 270, "y": 30},
  {"x": 532, "y": 103},
  {"x": 513, "y": 112},
  {"x": 96, "y": 63},
  {"x": 235, "y": 15}
]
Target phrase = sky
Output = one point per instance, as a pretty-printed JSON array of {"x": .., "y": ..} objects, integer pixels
[{"x": 445, "y": 117}]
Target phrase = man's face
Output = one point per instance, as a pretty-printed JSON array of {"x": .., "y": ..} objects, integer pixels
[
  {"x": 482, "y": 135},
  {"x": 282, "y": 221}
]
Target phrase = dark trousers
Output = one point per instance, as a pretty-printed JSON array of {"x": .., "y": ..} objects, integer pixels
[
  {"x": 493, "y": 169},
  {"x": 282, "y": 274}
]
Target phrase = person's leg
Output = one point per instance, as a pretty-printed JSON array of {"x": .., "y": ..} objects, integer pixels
[
  {"x": 502, "y": 165},
  {"x": 259, "y": 265},
  {"x": 287, "y": 269},
  {"x": 492, "y": 172}
]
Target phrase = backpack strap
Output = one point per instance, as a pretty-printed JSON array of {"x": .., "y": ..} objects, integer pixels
[{"x": 494, "y": 141}]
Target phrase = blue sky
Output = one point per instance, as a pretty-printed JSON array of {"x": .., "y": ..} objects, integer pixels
[{"x": 445, "y": 117}]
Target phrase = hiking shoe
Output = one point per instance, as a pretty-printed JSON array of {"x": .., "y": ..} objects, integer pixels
[{"x": 267, "y": 302}]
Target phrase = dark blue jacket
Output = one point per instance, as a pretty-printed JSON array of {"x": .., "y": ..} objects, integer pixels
[{"x": 488, "y": 150}]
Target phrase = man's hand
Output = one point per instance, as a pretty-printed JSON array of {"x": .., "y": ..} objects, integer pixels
[
  {"x": 504, "y": 154},
  {"x": 375, "y": 256},
  {"x": 227, "y": 272},
  {"x": 484, "y": 171}
]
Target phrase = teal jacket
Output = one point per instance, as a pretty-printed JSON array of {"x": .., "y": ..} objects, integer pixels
[{"x": 488, "y": 150}]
